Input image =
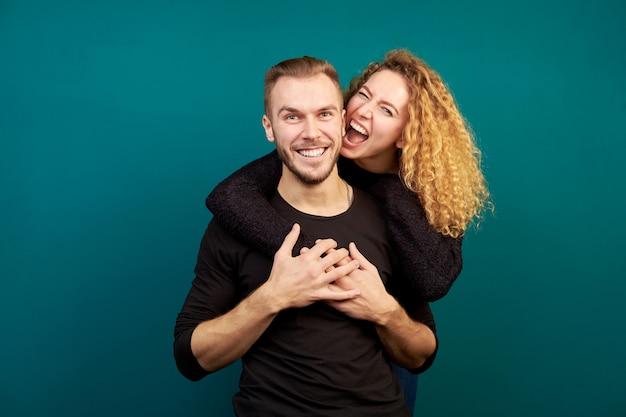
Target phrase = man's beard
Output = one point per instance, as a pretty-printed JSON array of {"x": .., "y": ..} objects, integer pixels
[{"x": 285, "y": 157}]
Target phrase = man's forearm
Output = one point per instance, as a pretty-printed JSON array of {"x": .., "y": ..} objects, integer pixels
[
  {"x": 408, "y": 343},
  {"x": 219, "y": 342}
]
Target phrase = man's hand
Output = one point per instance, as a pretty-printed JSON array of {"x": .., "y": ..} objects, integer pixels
[
  {"x": 374, "y": 303},
  {"x": 309, "y": 277},
  {"x": 408, "y": 343}
]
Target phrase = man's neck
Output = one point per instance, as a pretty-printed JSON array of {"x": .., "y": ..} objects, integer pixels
[{"x": 331, "y": 197}]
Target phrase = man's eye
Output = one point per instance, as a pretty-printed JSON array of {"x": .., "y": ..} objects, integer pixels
[
  {"x": 291, "y": 117},
  {"x": 325, "y": 114}
]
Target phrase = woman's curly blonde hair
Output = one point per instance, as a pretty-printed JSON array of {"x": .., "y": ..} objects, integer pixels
[{"x": 439, "y": 161}]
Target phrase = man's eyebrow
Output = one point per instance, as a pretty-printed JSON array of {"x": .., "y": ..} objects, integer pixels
[{"x": 290, "y": 109}]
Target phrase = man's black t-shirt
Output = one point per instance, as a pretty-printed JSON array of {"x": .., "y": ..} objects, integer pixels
[{"x": 312, "y": 361}]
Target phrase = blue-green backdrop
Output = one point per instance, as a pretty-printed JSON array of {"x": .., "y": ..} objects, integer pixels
[{"x": 118, "y": 117}]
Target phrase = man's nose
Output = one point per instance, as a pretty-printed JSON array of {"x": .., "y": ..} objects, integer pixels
[{"x": 311, "y": 129}]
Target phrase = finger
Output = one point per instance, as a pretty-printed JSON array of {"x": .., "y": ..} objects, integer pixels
[
  {"x": 358, "y": 256},
  {"x": 322, "y": 246},
  {"x": 330, "y": 268},
  {"x": 339, "y": 272},
  {"x": 334, "y": 257},
  {"x": 342, "y": 261},
  {"x": 328, "y": 294},
  {"x": 289, "y": 242}
]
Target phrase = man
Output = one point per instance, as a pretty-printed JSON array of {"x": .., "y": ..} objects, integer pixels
[{"x": 314, "y": 329}]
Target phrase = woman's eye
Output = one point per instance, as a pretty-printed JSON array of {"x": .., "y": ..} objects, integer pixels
[
  {"x": 387, "y": 111},
  {"x": 362, "y": 94}
]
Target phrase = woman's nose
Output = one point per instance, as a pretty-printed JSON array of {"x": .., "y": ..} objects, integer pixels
[{"x": 365, "y": 110}]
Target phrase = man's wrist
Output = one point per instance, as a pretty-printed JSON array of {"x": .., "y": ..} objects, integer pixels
[
  {"x": 264, "y": 300},
  {"x": 389, "y": 312}
]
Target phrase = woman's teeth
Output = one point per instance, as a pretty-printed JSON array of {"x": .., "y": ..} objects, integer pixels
[{"x": 358, "y": 128}]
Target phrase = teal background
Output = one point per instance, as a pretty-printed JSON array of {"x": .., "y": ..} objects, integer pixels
[{"x": 117, "y": 118}]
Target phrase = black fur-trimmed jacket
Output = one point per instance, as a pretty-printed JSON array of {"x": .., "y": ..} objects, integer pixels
[{"x": 431, "y": 262}]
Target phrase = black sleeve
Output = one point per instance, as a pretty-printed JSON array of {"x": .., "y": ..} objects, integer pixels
[
  {"x": 240, "y": 204},
  {"x": 212, "y": 294},
  {"x": 430, "y": 261}
]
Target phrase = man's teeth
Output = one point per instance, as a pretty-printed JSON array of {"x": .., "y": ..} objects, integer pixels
[
  {"x": 310, "y": 153},
  {"x": 358, "y": 128}
]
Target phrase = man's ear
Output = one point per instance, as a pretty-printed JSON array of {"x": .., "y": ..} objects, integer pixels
[{"x": 267, "y": 125}]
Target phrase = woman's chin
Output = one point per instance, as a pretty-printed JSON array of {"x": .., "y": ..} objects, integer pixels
[
  {"x": 346, "y": 153},
  {"x": 349, "y": 150}
]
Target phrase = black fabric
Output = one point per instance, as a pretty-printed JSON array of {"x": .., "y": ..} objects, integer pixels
[
  {"x": 430, "y": 261},
  {"x": 313, "y": 361}
]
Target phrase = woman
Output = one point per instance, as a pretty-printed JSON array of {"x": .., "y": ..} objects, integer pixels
[{"x": 407, "y": 144}]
